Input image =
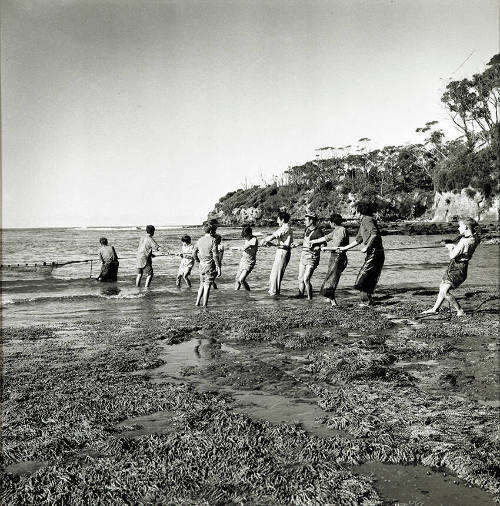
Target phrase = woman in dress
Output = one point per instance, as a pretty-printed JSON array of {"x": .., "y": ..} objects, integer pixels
[
  {"x": 369, "y": 236},
  {"x": 337, "y": 238}
]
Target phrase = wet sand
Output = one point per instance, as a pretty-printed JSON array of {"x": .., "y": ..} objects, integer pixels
[{"x": 296, "y": 404}]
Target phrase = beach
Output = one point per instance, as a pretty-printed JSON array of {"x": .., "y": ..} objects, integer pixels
[{"x": 119, "y": 395}]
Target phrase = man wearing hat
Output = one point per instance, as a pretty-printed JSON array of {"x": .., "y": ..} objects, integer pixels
[{"x": 309, "y": 258}]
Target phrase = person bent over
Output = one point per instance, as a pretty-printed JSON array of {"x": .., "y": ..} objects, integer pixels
[
  {"x": 145, "y": 256},
  {"x": 206, "y": 253},
  {"x": 109, "y": 262}
]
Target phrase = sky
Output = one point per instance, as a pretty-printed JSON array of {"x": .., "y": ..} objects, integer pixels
[{"x": 128, "y": 112}]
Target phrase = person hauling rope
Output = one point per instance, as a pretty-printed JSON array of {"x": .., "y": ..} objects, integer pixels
[
  {"x": 338, "y": 261},
  {"x": 309, "y": 259},
  {"x": 206, "y": 254},
  {"x": 248, "y": 258},
  {"x": 369, "y": 236},
  {"x": 109, "y": 261},
  {"x": 456, "y": 272},
  {"x": 284, "y": 236},
  {"x": 145, "y": 256}
]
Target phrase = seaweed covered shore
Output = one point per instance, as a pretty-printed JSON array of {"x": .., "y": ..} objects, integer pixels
[{"x": 111, "y": 412}]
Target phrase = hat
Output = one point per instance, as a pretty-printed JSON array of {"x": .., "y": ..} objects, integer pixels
[{"x": 311, "y": 214}]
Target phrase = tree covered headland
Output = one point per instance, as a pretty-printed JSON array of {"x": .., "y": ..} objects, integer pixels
[{"x": 402, "y": 180}]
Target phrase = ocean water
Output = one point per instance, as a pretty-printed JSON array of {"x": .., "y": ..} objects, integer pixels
[{"x": 45, "y": 295}]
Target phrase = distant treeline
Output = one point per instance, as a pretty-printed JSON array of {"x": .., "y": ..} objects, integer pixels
[{"x": 401, "y": 179}]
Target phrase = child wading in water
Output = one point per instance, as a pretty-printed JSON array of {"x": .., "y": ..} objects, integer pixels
[
  {"x": 206, "y": 253},
  {"x": 145, "y": 256},
  {"x": 220, "y": 246},
  {"x": 187, "y": 261},
  {"x": 456, "y": 273},
  {"x": 248, "y": 258}
]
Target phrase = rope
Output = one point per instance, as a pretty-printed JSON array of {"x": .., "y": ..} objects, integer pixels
[{"x": 53, "y": 265}]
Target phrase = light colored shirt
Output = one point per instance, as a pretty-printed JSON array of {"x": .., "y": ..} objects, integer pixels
[
  {"x": 107, "y": 254},
  {"x": 187, "y": 259},
  {"x": 284, "y": 235},
  {"x": 338, "y": 237},
  {"x": 145, "y": 250},
  {"x": 463, "y": 250}
]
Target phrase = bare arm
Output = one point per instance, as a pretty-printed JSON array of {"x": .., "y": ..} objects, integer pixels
[
  {"x": 195, "y": 254},
  {"x": 215, "y": 254}
]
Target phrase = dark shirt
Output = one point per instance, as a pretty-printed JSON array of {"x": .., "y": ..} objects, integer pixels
[{"x": 367, "y": 228}]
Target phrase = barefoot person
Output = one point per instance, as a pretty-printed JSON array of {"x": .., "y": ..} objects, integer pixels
[
  {"x": 220, "y": 246},
  {"x": 248, "y": 258},
  {"x": 369, "y": 236},
  {"x": 284, "y": 238},
  {"x": 456, "y": 273},
  {"x": 145, "y": 256},
  {"x": 309, "y": 259},
  {"x": 187, "y": 261},
  {"x": 205, "y": 252},
  {"x": 337, "y": 238},
  {"x": 109, "y": 261}
]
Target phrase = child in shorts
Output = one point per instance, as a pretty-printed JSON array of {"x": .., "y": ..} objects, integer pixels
[
  {"x": 456, "y": 272},
  {"x": 248, "y": 258},
  {"x": 187, "y": 261}
]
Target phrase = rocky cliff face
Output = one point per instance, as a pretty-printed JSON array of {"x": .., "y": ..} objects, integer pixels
[
  {"x": 466, "y": 203},
  {"x": 444, "y": 208}
]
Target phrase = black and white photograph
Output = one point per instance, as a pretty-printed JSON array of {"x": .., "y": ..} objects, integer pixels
[{"x": 250, "y": 252}]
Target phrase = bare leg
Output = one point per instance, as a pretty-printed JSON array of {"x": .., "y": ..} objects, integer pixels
[
  {"x": 148, "y": 281},
  {"x": 178, "y": 281},
  {"x": 243, "y": 280},
  {"x": 364, "y": 298},
  {"x": 451, "y": 299},
  {"x": 187, "y": 280},
  {"x": 206, "y": 293},
  {"x": 307, "y": 281},
  {"x": 200, "y": 294},
  {"x": 302, "y": 275},
  {"x": 138, "y": 280},
  {"x": 443, "y": 292}
]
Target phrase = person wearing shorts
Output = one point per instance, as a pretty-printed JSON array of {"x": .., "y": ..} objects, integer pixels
[
  {"x": 206, "y": 254},
  {"x": 456, "y": 272},
  {"x": 187, "y": 261},
  {"x": 309, "y": 259},
  {"x": 248, "y": 258},
  {"x": 145, "y": 256}
]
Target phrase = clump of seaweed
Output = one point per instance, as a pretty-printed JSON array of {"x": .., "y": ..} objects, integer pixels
[
  {"x": 33, "y": 333},
  {"x": 63, "y": 401},
  {"x": 215, "y": 457},
  {"x": 412, "y": 348}
]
